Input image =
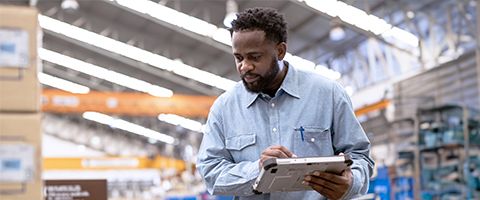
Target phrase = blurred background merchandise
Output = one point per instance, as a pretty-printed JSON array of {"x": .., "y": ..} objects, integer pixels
[{"x": 118, "y": 90}]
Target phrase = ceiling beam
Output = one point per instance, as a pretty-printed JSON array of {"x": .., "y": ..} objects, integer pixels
[
  {"x": 313, "y": 44},
  {"x": 129, "y": 103},
  {"x": 198, "y": 87},
  {"x": 51, "y": 70},
  {"x": 303, "y": 22},
  {"x": 192, "y": 35},
  {"x": 354, "y": 28}
]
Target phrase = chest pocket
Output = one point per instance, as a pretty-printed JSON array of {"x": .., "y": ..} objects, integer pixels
[
  {"x": 317, "y": 142},
  {"x": 242, "y": 147}
]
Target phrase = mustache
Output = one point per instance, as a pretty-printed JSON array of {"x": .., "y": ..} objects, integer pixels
[{"x": 248, "y": 74}]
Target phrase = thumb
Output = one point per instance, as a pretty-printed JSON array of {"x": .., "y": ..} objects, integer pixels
[{"x": 347, "y": 172}]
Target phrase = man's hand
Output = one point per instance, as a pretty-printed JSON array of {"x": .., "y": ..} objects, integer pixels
[
  {"x": 275, "y": 151},
  {"x": 330, "y": 185}
]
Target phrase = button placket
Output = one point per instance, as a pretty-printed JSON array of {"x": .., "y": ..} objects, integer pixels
[{"x": 274, "y": 124}]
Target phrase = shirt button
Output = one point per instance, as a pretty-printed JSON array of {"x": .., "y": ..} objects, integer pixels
[
  {"x": 273, "y": 105},
  {"x": 274, "y": 129}
]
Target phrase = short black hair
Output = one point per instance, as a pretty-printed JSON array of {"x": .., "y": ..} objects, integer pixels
[{"x": 268, "y": 20}]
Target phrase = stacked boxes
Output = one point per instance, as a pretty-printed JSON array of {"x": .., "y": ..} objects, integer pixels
[{"x": 20, "y": 135}]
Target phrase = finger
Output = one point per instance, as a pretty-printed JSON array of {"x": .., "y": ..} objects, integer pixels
[
  {"x": 282, "y": 149},
  {"x": 327, "y": 188},
  {"x": 347, "y": 172},
  {"x": 277, "y": 153},
  {"x": 327, "y": 192},
  {"x": 313, "y": 181},
  {"x": 286, "y": 151},
  {"x": 334, "y": 178},
  {"x": 262, "y": 160}
]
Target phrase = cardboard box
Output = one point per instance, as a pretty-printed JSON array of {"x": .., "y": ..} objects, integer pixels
[
  {"x": 19, "y": 64},
  {"x": 21, "y": 134}
]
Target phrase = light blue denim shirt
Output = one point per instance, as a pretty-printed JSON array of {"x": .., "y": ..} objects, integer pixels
[{"x": 241, "y": 124}]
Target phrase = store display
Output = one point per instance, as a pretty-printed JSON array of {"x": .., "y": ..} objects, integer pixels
[
  {"x": 414, "y": 87},
  {"x": 21, "y": 171},
  {"x": 19, "y": 64},
  {"x": 446, "y": 152}
]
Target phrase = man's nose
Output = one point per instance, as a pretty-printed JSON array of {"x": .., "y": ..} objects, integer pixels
[{"x": 246, "y": 66}]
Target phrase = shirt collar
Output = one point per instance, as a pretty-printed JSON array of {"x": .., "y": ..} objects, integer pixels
[{"x": 289, "y": 85}]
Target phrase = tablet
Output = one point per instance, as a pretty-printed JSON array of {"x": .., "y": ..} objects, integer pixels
[{"x": 287, "y": 174}]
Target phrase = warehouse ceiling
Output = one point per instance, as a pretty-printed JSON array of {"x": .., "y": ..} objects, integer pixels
[{"x": 309, "y": 38}]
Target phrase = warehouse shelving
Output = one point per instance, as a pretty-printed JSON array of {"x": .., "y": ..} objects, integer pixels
[
  {"x": 448, "y": 145},
  {"x": 402, "y": 135}
]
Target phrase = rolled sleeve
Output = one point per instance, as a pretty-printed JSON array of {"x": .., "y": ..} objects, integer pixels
[
  {"x": 349, "y": 138},
  {"x": 222, "y": 175},
  {"x": 360, "y": 181}
]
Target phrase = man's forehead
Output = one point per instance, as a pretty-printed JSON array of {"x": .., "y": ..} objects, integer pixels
[{"x": 259, "y": 34}]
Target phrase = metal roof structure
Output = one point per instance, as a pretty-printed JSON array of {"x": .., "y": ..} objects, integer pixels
[{"x": 158, "y": 42}]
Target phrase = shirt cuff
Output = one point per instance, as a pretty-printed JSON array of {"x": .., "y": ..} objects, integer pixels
[
  {"x": 355, "y": 187},
  {"x": 239, "y": 180}
]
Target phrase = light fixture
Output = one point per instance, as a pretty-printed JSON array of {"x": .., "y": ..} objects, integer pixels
[
  {"x": 307, "y": 65},
  {"x": 472, "y": 4},
  {"x": 128, "y": 126},
  {"x": 410, "y": 14},
  {"x": 181, "y": 121},
  {"x": 337, "y": 33},
  {"x": 231, "y": 13},
  {"x": 103, "y": 73},
  {"x": 195, "y": 25},
  {"x": 135, "y": 53},
  {"x": 362, "y": 20},
  {"x": 62, "y": 84},
  {"x": 69, "y": 5}
]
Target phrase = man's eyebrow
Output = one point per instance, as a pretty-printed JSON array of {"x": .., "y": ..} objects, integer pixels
[
  {"x": 254, "y": 53},
  {"x": 249, "y": 53}
]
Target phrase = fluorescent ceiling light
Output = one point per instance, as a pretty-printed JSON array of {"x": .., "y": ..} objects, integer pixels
[
  {"x": 134, "y": 53},
  {"x": 362, "y": 20},
  {"x": 310, "y": 66},
  {"x": 231, "y": 13},
  {"x": 190, "y": 23},
  {"x": 181, "y": 121},
  {"x": 127, "y": 126},
  {"x": 337, "y": 33},
  {"x": 228, "y": 19},
  {"x": 62, "y": 84},
  {"x": 103, "y": 73},
  {"x": 70, "y": 5}
]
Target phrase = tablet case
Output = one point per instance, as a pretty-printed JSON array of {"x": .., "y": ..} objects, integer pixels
[{"x": 287, "y": 174}]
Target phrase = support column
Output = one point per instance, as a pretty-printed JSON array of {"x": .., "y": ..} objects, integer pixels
[{"x": 477, "y": 48}]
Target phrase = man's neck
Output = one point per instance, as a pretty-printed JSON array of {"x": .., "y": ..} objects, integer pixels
[{"x": 277, "y": 82}]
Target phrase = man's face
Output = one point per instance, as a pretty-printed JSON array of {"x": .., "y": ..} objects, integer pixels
[{"x": 255, "y": 58}]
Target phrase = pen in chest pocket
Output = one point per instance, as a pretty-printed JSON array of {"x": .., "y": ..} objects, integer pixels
[{"x": 301, "y": 130}]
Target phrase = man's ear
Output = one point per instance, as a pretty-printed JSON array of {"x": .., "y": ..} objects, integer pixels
[{"x": 281, "y": 50}]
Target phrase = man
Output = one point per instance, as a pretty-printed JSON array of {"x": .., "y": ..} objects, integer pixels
[{"x": 260, "y": 119}]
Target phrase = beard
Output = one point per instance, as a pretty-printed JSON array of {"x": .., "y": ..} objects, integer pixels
[{"x": 264, "y": 81}]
